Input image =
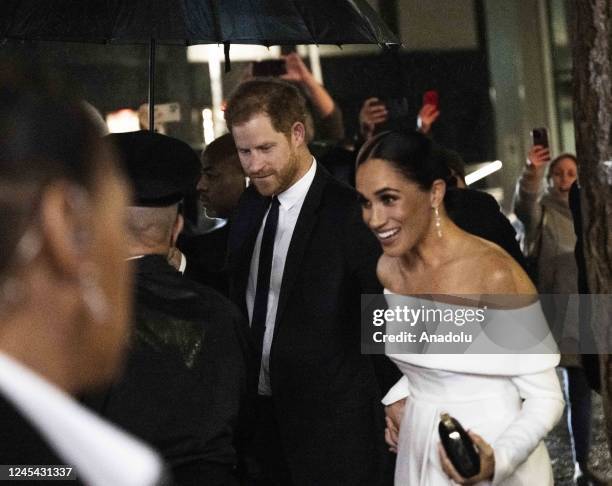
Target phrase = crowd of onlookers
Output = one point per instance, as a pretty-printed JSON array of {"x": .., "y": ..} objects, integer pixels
[{"x": 139, "y": 348}]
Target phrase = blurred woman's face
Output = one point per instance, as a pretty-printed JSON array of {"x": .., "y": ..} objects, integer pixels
[
  {"x": 108, "y": 339},
  {"x": 563, "y": 175},
  {"x": 396, "y": 209}
]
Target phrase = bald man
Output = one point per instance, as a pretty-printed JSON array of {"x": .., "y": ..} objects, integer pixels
[{"x": 185, "y": 377}]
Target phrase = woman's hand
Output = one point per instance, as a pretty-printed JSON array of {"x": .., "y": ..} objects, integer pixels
[
  {"x": 538, "y": 156},
  {"x": 296, "y": 70},
  {"x": 373, "y": 112},
  {"x": 487, "y": 462},
  {"x": 427, "y": 116},
  {"x": 393, "y": 419}
]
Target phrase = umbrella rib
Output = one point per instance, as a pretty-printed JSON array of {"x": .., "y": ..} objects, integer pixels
[
  {"x": 367, "y": 20},
  {"x": 260, "y": 31},
  {"x": 312, "y": 37},
  {"x": 216, "y": 20}
]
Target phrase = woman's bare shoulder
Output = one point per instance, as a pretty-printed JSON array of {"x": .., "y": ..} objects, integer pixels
[
  {"x": 503, "y": 275},
  {"x": 492, "y": 269},
  {"x": 387, "y": 272}
]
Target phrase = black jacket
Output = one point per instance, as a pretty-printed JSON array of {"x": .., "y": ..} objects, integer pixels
[
  {"x": 206, "y": 255},
  {"x": 479, "y": 214},
  {"x": 22, "y": 444},
  {"x": 185, "y": 375}
]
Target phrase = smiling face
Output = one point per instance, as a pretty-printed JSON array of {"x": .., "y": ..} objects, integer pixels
[
  {"x": 563, "y": 175},
  {"x": 396, "y": 209},
  {"x": 269, "y": 157}
]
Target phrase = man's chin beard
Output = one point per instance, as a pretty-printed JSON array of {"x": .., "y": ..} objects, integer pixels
[{"x": 288, "y": 181}]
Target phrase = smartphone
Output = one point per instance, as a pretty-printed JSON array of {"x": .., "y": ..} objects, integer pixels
[
  {"x": 271, "y": 67},
  {"x": 431, "y": 98},
  {"x": 540, "y": 136}
]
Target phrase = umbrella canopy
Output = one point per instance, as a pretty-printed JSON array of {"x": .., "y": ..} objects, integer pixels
[{"x": 187, "y": 22}]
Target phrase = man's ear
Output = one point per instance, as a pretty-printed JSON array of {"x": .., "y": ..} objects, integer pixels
[
  {"x": 65, "y": 212},
  {"x": 298, "y": 134},
  {"x": 438, "y": 189},
  {"x": 179, "y": 223}
]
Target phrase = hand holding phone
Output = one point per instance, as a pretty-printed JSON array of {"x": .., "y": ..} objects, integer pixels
[
  {"x": 539, "y": 154},
  {"x": 373, "y": 112},
  {"x": 429, "y": 112}
]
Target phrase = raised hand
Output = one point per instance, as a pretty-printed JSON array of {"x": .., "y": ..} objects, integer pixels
[
  {"x": 427, "y": 116},
  {"x": 296, "y": 69},
  {"x": 538, "y": 156},
  {"x": 373, "y": 112}
]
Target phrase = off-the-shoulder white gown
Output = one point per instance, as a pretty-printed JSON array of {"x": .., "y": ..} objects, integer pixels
[{"x": 511, "y": 401}]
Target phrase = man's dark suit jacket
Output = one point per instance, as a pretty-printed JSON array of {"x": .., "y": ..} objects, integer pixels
[
  {"x": 22, "y": 444},
  {"x": 206, "y": 256},
  {"x": 185, "y": 375},
  {"x": 325, "y": 392}
]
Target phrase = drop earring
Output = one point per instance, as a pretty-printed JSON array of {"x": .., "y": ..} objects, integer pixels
[{"x": 438, "y": 222}]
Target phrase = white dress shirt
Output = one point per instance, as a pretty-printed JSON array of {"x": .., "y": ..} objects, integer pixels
[
  {"x": 101, "y": 453},
  {"x": 291, "y": 202}
]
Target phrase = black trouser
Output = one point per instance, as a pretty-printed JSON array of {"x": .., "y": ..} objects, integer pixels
[
  {"x": 578, "y": 396},
  {"x": 269, "y": 467}
]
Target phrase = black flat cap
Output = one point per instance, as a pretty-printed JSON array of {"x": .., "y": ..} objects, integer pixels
[{"x": 162, "y": 169}]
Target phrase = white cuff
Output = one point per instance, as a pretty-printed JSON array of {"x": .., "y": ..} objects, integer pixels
[{"x": 502, "y": 467}]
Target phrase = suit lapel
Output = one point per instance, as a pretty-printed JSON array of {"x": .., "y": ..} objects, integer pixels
[{"x": 300, "y": 239}]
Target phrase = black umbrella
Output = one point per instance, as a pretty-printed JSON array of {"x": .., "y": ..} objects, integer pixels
[{"x": 189, "y": 22}]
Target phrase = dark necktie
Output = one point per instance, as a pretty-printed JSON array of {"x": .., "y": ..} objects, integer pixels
[{"x": 260, "y": 306}]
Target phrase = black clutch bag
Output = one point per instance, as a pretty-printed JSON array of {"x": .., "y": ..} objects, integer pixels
[{"x": 458, "y": 446}]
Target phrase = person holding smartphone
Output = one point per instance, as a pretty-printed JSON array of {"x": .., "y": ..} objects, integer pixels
[
  {"x": 550, "y": 241},
  {"x": 375, "y": 112}
]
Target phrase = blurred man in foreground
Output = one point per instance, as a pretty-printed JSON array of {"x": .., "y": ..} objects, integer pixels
[{"x": 64, "y": 290}]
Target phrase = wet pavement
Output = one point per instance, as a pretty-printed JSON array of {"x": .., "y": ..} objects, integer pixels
[{"x": 558, "y": 443}]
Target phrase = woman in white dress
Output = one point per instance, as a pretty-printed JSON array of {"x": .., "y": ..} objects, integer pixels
[{"x": 508, "y": 402}]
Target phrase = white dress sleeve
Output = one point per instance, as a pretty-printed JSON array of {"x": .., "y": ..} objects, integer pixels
[
  {"x": 397, "y": 392},
  {"x": 542, "y": 408}
]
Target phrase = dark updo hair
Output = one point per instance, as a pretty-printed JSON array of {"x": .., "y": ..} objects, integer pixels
[
  {"x": 45, "y": 135},
  {"x": 415, "y": 156}
]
